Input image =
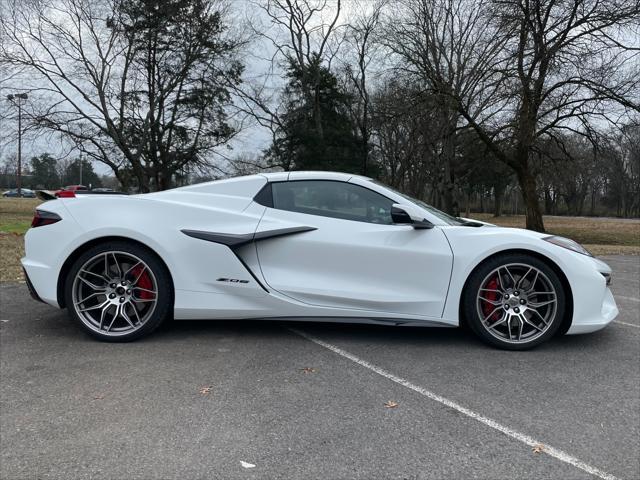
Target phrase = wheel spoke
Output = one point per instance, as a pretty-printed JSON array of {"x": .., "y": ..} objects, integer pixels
[
  {"x": 533, "y": 284},
  {"x": 498, "y": 322},
  {"x": 491, "y": 314},
  {"x": 144, "y": 290},
  {"x": 123, "y": 312},
  {"x": 142, "y": 300},
  {"x": 529, "y": 322},
  {"x": 513, "y": 280},
  {"x": 94, "y": 307},
  {"x": 520, "y": 327},
  {"x": 115, "y": 315},
  {"x": 87, "y": 298},
  {"x": 492, "y": 302},
  {"x": 519, "y": 284},
  {"x": 135, "y": 311},
  {"x": 115, "y": 259},
  {"x": 90, "y": 284},
  {"x": 541, "y": 304},
  {"x": 490, "y": 290},
  {"x": 538, "y": 313},
  {"x": 144, "y": 267},
  {"x": 131, "y": 268},
  {"x": 102, "y": 315},
  {"x": 95, "y": 275}
]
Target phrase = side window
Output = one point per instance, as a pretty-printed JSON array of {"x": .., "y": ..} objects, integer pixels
[{"x": 332, "y": 199}]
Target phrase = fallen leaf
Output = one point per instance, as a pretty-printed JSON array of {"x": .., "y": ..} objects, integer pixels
[
  {"x": 538, "y": 448},
  {"x": 98, "y": 397},
  {"x": 308, "y": 370},
  {"x": 391, "y": 404},
  {"x": 246, "y": 464},
  {"x": 206, "y": 390}
]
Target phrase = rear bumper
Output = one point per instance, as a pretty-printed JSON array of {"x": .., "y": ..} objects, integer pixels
[
  {"x": 32, "y": 290},
  {"x": 42, "y": 281}
]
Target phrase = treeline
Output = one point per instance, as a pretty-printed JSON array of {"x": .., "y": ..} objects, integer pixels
[
  {"x": 468, "y": 104},
  {"x": 45, "y": 172}
]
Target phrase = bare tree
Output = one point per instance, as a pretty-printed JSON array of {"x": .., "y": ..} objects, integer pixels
[
  {"x": 448, "y": 46},
  {"x": 518, "y": 71},
  {"x": 140, "y": 89},
  {"x": 297, "y": 32},
  {"x": 361, "y": 37}
]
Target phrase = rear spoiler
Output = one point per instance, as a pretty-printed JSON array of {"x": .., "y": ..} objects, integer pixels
[{"x": 50, "y": 195}]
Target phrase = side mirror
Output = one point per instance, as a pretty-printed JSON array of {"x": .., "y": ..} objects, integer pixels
[{"x": 408, "y": 214}]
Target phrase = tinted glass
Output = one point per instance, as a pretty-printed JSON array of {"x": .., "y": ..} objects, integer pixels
[{"x": 332, "y": 199}]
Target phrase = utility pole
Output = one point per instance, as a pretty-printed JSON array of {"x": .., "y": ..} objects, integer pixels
[
  {"x": 17, "y": 100},
  {"x": 80, "y": 183}
]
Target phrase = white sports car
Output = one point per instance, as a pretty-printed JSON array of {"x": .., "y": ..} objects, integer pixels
[{"x": 306, "y": 246}]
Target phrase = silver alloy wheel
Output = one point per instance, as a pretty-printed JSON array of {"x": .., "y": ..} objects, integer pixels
[
  {"x": 114, "y": 293},
  {"x": 517, "y": 303}
]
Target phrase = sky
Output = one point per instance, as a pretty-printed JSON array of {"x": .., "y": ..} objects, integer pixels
[{"x": 251, "y": 140}]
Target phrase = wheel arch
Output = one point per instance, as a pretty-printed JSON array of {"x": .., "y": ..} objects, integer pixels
[
  {"x": 568, "y": 315},
  {"x": 66, "y": 266}
]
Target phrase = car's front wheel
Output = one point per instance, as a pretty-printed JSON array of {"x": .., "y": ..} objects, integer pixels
[
  {"x": 514, "y": 301},
  {"x": 118, "y": 291}
]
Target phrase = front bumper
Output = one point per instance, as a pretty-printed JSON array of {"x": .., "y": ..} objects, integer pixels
[
  {"x": 608, "y": 311},
  {"x": 593, "y": 304}
]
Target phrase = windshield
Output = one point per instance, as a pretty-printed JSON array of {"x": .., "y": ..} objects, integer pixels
[{"x": 448, "y": 219}]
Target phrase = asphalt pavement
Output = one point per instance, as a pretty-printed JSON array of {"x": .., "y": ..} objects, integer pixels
[{"x": 249, "y": 399}]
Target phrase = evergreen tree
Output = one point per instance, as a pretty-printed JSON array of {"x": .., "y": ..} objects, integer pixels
[
  {"x": 317, "y": 132},
  {"x": 44, "y": 172},
  {"x": 89, "y": 177}
]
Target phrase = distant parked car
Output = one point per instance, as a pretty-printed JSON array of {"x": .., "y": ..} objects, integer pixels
[
  {"x": 103, "y": 190},
  {"x": 25, "y": 193},
  {"x": 71, "y": 188}
]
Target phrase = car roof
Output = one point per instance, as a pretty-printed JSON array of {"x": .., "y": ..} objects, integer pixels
[{"x": 309, "y": 175}]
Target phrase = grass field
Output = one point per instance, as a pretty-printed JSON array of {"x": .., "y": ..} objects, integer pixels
[
  {"x": 601, "y": 236},
  {"x": 15, "y": 219}
]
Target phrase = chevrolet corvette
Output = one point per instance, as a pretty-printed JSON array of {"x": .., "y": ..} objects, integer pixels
[{"x": 312, "y": 246}]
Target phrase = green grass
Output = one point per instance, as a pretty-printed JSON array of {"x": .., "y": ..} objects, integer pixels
[{"x": 19, "y": 227}]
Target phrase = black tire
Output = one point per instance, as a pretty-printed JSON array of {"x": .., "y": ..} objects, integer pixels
[
  {"x": 472, "y": 310},
  {"x": 164, "y": 296}
]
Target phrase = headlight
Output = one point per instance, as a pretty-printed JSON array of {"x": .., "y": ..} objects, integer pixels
[{"x": 568, "y": 243}]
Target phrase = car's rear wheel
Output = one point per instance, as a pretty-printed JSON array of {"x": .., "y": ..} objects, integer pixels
[
  {"x": 514, "y": 301},
  {"x": 118, "y": 291}
]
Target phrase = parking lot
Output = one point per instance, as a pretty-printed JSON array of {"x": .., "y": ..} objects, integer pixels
[{"x": 249, "y": 399}]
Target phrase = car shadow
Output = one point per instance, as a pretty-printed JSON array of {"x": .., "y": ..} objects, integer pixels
[{"x": 389, "y": 336}]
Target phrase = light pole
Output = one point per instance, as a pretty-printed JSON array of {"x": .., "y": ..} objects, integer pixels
[{"x": 17, "y": 99}]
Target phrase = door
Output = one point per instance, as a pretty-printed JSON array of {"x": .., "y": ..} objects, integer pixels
[{"x": 351, "y": 255}]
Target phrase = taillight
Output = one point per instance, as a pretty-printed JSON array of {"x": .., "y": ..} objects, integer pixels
[
  {"x": 65, "y": 194},
  {"x": 42, "y": 217}
]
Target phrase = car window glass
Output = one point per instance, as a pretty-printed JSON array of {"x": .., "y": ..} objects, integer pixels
[{"x": 333, "y": 199}]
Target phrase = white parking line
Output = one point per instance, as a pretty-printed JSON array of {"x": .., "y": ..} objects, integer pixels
[
  {"x": 527, "y": 440},
  {"x": 627, "y": 324},
  {"x": 632, "y": 299}
]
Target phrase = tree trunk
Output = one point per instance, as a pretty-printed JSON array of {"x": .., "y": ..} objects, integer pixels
[
  {"x": 527, "y": 183},
  {"x": 498, "y": 192}
]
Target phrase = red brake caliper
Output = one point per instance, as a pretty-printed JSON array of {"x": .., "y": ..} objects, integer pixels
[
  {"x": 487, "y": 307},
  {"x": 143, "y": 282}
]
